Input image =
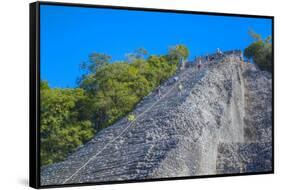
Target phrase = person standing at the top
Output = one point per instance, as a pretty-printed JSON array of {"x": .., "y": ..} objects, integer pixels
[{"x": 219, "y": 52}]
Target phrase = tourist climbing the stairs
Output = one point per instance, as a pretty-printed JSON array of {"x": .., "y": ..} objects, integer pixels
[
  {"x": 241, "y": 56},
  {"x": 159, "y": 94},
  {"x": 199, "y": 65},
  {"x": 180, "y": 89},
  {"x": 181, "y": 64},
  {"x": 187, "y": 65},
  {"x": 207, "y": 58},
  {"x": 175, "y": 78}
]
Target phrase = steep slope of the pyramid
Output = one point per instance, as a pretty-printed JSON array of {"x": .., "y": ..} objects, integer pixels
[
  {"x": 175, "y": 136},
  {"x": 255, "y": 153}
]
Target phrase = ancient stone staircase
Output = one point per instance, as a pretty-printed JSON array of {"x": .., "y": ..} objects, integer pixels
[{"x": 218, "y": 120}]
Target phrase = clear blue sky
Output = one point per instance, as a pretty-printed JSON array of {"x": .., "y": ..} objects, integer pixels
[{"x": 70, "y": 34}]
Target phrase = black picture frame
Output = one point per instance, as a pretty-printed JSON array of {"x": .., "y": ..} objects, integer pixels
[{"x": 34, "y": 91}]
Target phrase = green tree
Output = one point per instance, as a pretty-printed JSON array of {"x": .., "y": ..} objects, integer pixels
[
  {"x": 119, "y": 88},
  {"x": 139, "y": 53},
  {"x": 116, "y": 88},
  {"x": 97, "y": 61},
  {"x": 260, "y": 51},
  {"x": 61, "y": 131},
  {"x": 159, "y": 69},
  {"x": 177, "y": 52}
]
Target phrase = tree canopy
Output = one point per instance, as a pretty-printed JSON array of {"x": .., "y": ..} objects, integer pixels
[
  {"x": 139, "y": 53},
  {"x": 61, "y": 131},
  {"x": 177, "y": 52},
  {"x": 97, "y": 61},
  {"x": 260, "y": 51}
]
